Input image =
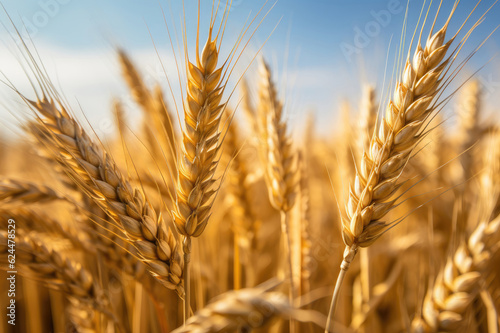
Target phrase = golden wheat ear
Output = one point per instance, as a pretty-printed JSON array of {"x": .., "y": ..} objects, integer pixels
[
  {"x": 38, "y": 260},
  {"x": 447, "y": 303},
  {"x": 378, "y": 175},
  {"x": 158, "y": 124}
]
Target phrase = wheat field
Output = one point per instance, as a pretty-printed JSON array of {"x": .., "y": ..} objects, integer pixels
[{"x": 211, "y": 214}]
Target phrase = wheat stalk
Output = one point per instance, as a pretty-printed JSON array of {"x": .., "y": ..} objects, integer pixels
[
  {"x": 306, "y": 255},
  {"x": 378, "y": 175}
]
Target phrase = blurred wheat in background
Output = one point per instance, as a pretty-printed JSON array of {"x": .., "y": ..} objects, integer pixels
[{"x": 212, "y": 213}]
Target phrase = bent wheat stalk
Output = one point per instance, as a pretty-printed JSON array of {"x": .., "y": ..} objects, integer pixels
[{"x": 378, "y": 176}]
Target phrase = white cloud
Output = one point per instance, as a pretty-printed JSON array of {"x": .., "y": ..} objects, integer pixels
[{"x": 87, "y": 78}]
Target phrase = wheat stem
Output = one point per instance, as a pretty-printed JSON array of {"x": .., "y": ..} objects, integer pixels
[
  {"x": 288, "y": 254},
  {"x": 349, "y": 254},
  {"x": 236, "y": 262},
  {"x": 187, "y": 285}
]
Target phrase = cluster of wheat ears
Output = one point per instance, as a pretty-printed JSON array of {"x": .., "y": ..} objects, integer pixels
[{"x": 213, "y": 217}]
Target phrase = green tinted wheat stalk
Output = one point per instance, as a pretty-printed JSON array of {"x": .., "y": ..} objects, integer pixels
[{"x": 378, "y": 174}]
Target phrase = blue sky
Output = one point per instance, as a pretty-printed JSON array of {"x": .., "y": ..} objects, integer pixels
[{"x": 321, "y": 51}]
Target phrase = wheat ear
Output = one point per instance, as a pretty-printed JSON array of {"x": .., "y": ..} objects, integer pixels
[
  {"x": 469, "y": 130},
  {"x": 244, "y": 310},
  {"x": 27, "y": 219},
  {"x": 367, "y": 119},
  {"x": 446, "y": 305},
  {"x": 201, "y": 142},
  {"x": 97, "y": 175},
  {"x": 12, "y": 190},
  {"x": 119, "y": 118},
  {"x": 280, "y": 161},
  {"x": 37, "y": 260},
  {"x": 378, "y": 175},
  {"x": 158, "y": 121}
]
